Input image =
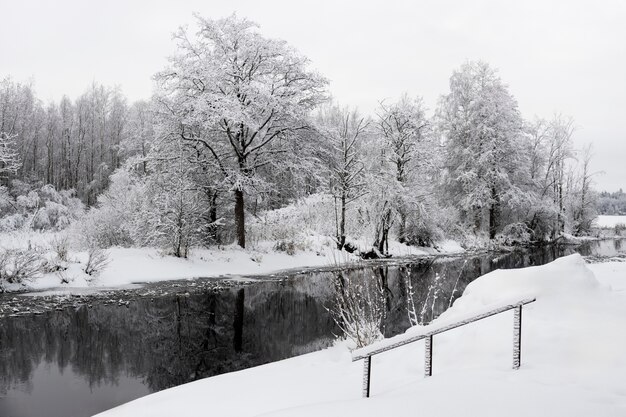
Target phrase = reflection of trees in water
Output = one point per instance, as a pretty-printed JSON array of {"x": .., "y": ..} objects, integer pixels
[
  {"x": 172, "y": 340},
  {"x": 165, "y": 341}
]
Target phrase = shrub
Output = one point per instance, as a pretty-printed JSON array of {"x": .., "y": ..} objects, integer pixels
[
  {"x": 315, "y": 212},
  {"x": 287, "y": 246},
  {"x": 17, "y": 265},
  {"x": 60, "y": 245},
  {"x": 42, "y": 208},
  {"x": 515, "y": 234},
  {"x": 110, "y": 222},
  {"x": 97, "y": 260},
  {"x": 359, "y": 307}
]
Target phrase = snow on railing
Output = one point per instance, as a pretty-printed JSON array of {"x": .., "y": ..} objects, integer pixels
[{"x": 429, "y": 331}]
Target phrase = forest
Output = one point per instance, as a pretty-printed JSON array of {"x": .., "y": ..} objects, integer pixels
[
  {"x": 242, "y": 142},
  {"x": 612, "y": 204}
]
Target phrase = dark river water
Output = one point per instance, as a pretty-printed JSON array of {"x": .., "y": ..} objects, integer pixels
[{"x": 82, "y": 359}]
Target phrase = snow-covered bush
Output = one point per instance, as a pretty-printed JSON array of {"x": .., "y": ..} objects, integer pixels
[
  {"x": 312, "y": 214},
  {"x": 427, "y": 224},
  {"x": 13, "y": 222},
  {"x": 290, "y": 246},
  {"x": 158, "y": 210},
  {"x": 110, "y": 222},
  {"x": 359, "y": 307},
  {"x": 60, "y": 245},
  {"x": 37, "y": 207},
  {"x": 97, "y": 260},
  {"x": 17, "y": 265},
  {"x": 515, "y": 234}
]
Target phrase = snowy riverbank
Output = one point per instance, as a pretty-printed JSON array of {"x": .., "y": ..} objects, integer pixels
[
  {"x": 142, "y": 265},
  {"x": 609, "y": 222},
  {"x": 572, "y": 361}
]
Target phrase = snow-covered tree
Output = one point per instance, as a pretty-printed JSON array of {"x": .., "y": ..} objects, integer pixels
[
  {"x": 485, "y": 159},
  {"x": 550, "y": 151},
  {"x": 407, "y": 159},
  {"x": 170, "y": 215},
  {"x": 583, "y": 199},
  {"x": 139, "y": 134},
  {"x": 237, "y": 98},
  {"x": 343, "y": 130},
  {"x": 9, "y": 157}
]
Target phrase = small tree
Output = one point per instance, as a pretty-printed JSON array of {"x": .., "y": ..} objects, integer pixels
[
  {"x": 359, "y": 307},
  {"x": 584, "y": 199},
  {"x": 9, "y": 157},
  {"x": 172, "y": 212},
  {"x": 407, "y": 148},
  {"x": 343, "y": 131}
]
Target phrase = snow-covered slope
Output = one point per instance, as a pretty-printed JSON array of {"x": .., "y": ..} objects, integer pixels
[{"x": 573, "y": 361}]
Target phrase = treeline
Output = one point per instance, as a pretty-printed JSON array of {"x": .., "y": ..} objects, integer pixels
[
  {"x": 613, "y": 204},
  {"x": 69, "y": 144},
  {"x": 239, "y": 124}
]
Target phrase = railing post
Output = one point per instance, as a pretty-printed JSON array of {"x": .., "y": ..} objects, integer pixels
[
  {"x": 517, "y": 336},
  {"x": 428, "y": 352},
  {"x": 367, "y": 370}
]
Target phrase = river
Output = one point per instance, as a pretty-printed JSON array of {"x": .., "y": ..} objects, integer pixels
[{"x": 75, "y": 359}]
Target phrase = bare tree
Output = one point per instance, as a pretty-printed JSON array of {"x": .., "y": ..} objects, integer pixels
[
  {"x": 584, "y": 199},
  {"x": 343, "y": 130}
]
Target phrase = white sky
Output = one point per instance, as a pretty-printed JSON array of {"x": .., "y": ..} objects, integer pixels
[{"x": 556, "y": 56}]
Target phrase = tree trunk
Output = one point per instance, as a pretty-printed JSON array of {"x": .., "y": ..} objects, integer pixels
[
  {"x": 341, "y": 239},
  {"x": 494, "y": 213},
  {"x": 240, "y": 218},
  {"x": 213, "y": 235},
  {"x": 402, "y": 228},
  {"x": 238, "y": 321}
]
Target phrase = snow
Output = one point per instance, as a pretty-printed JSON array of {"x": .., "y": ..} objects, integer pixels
[
  {"x": 572, "y": 361},
  {"x": 128, "y": 266},
  {"x": 607, "y": 222},
  {"x": 441, "y": 325}
]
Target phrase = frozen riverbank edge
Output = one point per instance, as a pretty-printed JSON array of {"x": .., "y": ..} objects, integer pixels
[
  {"x": 129, "y": 266},
  {"x": 572, "y": 361}
]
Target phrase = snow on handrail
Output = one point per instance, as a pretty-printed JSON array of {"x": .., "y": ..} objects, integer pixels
[
  {"x": 430, "y": 330},
  {"x": 427, "y": 333}
]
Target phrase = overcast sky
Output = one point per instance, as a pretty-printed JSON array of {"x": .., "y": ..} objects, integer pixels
[{"x": 560, "y": 56}]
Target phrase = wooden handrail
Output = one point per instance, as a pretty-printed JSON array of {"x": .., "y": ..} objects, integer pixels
[{"x": 367, "y": 352}]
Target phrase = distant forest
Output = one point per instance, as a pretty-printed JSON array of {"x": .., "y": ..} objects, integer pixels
[{"x": 612, "y": 203}]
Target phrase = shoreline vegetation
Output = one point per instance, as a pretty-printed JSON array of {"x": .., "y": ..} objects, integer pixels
[{"x": 65, "y": 270}]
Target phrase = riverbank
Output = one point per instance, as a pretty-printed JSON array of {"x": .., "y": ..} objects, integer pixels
[
  {"x": 572, "y": 363},
  {"x": 126, "y": 266}
]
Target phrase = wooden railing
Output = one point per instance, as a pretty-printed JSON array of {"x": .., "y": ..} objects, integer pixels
[{"x": 367, "y": 352}]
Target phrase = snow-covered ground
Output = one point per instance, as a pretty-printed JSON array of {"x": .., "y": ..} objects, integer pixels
[
  {"x": 607, "y": 222},
  {"x": 141, "y": 265},
  {"x": 573, "y": 361}
]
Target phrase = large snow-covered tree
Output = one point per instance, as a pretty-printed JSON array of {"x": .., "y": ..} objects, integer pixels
[
  {"x": 485, "y": 158},
  {"x": 237, "y": 97}
]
